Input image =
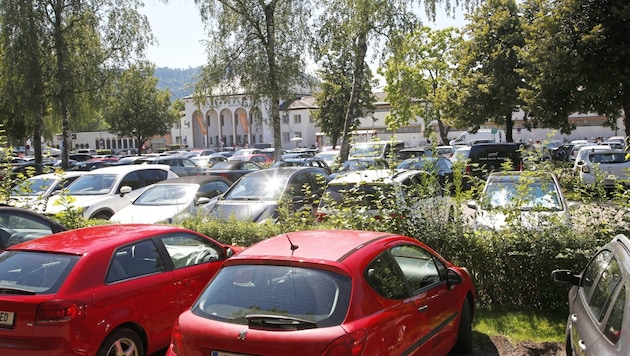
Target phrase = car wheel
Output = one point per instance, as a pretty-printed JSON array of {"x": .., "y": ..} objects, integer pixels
[
  {"x": 122, "y": 342},
  {"x": 464, "y": 342}
]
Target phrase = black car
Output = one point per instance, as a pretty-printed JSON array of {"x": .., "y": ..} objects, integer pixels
[
  {"x": 493, "y": 157},
  {"x": 256, "y": 196},
  {"x": 303, "y": 162},
  {"x": 232, "y": 170},
  {"x": 440, "y": 167},
  {"x": 19, "y": 225}
]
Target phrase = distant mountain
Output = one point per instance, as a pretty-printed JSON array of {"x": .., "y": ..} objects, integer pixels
[{"x": 179, "y": 82}]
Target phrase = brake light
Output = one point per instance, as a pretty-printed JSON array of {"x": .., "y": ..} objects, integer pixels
[
  {"x": 57, "y": 312},
  {"x": 177, "y": 340},
  {"x": 468, "y": 170},
  {"x": 320, "y": 217},
  {"x": 350, "y": 344},
  {"x": 520, "y": 165}
]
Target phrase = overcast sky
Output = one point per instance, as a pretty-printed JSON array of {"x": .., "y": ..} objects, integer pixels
[{"x": 178, "y": 29}]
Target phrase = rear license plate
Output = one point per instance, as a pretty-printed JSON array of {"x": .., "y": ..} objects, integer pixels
[
  {"x": 6, "y": 319},
  {"x": 222, "y": 353}
]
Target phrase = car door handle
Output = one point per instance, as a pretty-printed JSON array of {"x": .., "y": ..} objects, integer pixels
[
  {"x": 582, "y": 345},
  {"x": 423, "y": 308},
  {"x": 574, "y": 318}
]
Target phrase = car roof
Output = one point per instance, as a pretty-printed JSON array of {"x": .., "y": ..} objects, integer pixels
[
  {"x": 514, "y": 175},
  {"x": 372, "y": 175},
  {"x": 193, "y": 180},
  {"x": 127, "y": 168},
  {"x": 284, "y": 171},
  {"x": 312, "y": 245},
  {"x": 67, "y": 174},
  {"x": 82, "y": 241}
]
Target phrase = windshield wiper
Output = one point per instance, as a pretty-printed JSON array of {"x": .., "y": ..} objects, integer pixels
[
  {"x": 7, "y": 290},
  {"x": 279, "y": 322}
]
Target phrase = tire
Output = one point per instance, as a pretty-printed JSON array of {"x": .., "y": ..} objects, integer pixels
[
  {"x": 464, "y": 343},
  {"x": 102, "y": 216},
  {"x": 122, "y": 341}
]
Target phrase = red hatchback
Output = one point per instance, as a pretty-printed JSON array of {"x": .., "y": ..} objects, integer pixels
[
  {"x": 331, "y": 293},
  {"x": 102, "y": 290}
]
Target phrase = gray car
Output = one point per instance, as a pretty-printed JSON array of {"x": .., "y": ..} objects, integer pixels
[{"x": 597, "y": 302}]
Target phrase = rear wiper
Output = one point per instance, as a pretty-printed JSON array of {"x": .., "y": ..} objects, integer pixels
[
  {"x": 7, "y": 290},
  {"x": 269, "y": 321}
]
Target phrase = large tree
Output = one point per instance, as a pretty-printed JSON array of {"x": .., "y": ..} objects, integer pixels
[
  {"x": 138, "y": 109},
  {"x": 79, "y": 44},
  {"x": 578, "y": 55},
  {"x": 488, "y": 67},
  {"x": 255, "y": 47},
  {"x": 420, "y": 66}
]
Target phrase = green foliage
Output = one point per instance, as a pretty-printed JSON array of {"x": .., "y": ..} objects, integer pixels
[{"x": 521, "y": 324}]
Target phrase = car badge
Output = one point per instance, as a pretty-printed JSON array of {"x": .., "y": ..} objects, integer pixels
[{"x": 242, "y": 335}]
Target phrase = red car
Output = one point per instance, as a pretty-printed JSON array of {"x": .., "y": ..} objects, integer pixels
[
  {"x": 331, "y": 293},
  {"x": 102, "y": 290}
]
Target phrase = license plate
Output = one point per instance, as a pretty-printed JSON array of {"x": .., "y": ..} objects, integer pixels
[
  {"x": 222, "y": 353},
  {"x": 6, "y": 318}
]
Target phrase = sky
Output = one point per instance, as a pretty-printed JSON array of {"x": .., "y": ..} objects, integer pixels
[{"x": 179, "y": 32}]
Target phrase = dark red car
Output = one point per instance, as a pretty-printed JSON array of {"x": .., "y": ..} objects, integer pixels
[
  {"x": 331, "y": 293},
  {"x": 102, "y": 290}
]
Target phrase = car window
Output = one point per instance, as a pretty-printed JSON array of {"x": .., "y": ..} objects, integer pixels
[
  {"x": 37, "y": 272},
  {"x": 298, "y": 184},
  {"x": 138, "y": 259},
  {"x": 212, "y": 189},
  {"x": 615, "y": 317},
  {"x": 604, "y": 289},
  {"x": 382, "y": 275},
  {"x": 319, "y": 179},
  {"x": 152, "y": 176},
  {"x": 418, "y": 266},
  {"x": 189, "y": 250},
  {"x": 132, "y": 179},
  {"x": 188, "y": 163},
  {"x": 23, "y": 222}
]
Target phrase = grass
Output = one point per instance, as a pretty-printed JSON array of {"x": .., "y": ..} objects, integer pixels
[{"x": 521, "y": 325}]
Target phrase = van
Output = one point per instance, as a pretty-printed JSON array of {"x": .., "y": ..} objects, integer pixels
[
  {"x": 485, "y": 158},
  {"x": 376, "y": 149},
  {"x": 491, "y": 135}
]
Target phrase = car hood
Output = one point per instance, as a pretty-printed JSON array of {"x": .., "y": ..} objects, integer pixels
[
  {"x": 55, "y": 204},
  {"x": 150, "y": 214},
  {"x": 254, "y": 211},
  {"x": 497, "y": 220}
]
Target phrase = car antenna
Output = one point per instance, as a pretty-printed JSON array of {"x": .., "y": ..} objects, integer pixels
[{"x": 293, "y": 246}]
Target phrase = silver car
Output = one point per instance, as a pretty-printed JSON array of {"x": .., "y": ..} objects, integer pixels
[{"x": 597, "y": 302}]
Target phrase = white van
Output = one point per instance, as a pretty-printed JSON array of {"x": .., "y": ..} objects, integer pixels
[
  {"x": 492, "y": 135},
  {"x": 376, "y": 149}
]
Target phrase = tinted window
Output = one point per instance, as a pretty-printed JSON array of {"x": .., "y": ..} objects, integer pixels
[
  {"x": 34, "y": 272},
  {"x": 382, "y": 275},
  {"x": 212, "y": 189},
  {"x": 152, "y": 176},
  {"x": 311, "y": 294},
  {"x": 615, "y": 318},
  {"x": 593, "y": 271},
  {"x": 138, "y": 259},
  {"x": 604, "y": 289}
]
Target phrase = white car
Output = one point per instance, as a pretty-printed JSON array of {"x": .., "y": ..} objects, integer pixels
[
  {"x": 583, "y": 151},
  {"x": 103, "y": 192},
  {"x": 35, "y": 191},
  {"x": 612, "y": 165},
  {"x": 530, "y": 199}
]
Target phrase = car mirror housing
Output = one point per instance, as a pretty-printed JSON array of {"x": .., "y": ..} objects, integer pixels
[
  {"x": 452, "y": 278},
  {"x": 202, "y": 201},
  {"x": 229, "y": 252},
  {"x": 124, "y": 190},
  {"x": 472, "y": 204},
  {"x": 565, "y": 276}
]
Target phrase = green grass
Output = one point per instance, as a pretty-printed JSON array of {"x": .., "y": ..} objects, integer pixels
[{"x": 521, "y": 325}]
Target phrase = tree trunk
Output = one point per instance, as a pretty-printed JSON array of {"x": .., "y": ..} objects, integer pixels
[
  {"x": 37, "y": 143},
  {"x": 625, "y": 104},
  {"x": 509, "y": 126},
  {"x": 273, "y": 81},
  {"x": 444, "y": 130},
  {"x": 359, "y": 59}
]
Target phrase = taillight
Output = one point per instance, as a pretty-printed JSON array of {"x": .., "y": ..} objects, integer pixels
[
  {"x": 468, "y": 170},
  {"x": 520, "y": 166},
  {"x": 350, "y": 344},
  {"x": 59, "y": 311},
  {"x": 320, "y": 217},
  {"x": 177, "y": 340},
  {"x": 586, "y": 169}
]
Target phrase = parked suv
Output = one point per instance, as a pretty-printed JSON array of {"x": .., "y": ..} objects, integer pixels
[
  {"x": 102, "y": 192},
  {"x": 484, "y": 158},
  {"x": 597, "y": 302}
]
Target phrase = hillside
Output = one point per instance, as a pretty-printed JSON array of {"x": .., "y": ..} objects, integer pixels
[{"x": 180, "y": 82}]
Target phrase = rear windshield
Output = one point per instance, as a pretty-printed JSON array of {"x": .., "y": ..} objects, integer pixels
[
  {"x": 281, "y": 297},
  {"x": 23, "y": 272},
  {"x": 616, "y": 157}
]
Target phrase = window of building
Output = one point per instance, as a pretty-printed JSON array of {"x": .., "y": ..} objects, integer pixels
[
  {"x": 311, "y": 119},
  {"x": 222, "y": 121},
  {"x": 286, "y": 137},
  {"x": 297, "y": 119},
  {"x": 285, "y": 119}
]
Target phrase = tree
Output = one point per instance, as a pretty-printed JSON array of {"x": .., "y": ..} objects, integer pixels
[
  {"x": 334, "y": 96},
  {"x": 79, "y": 45},
  {"x": 137, "y": 108},
  {"x": 420, "y": 66},
  {"x": 257, "y": 45},
  {"x": 578, "y": 59},
  {"x": 488, "y": 79}
]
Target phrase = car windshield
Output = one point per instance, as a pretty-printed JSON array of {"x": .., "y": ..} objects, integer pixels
[
  {"x": 368, "y": 149},
  {"x": 28, "y": 273},
  {"x": 167, "y": 194},
  {"x": 257, "y": 187},
  {"x": 92, "y": 184},
  {"x": 34, "y": 186},
  {"x": 616, "y": 157},
  {"x": 275, "y": 296},
  {"x": 370, "y": 196},
  {"x": 537, "y": 195}
]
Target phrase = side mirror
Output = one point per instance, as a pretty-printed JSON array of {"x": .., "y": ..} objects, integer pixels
[
  {"x": 229, "y": 252},
  {"x": 565, "y": 276},
  {"x": 124, "y": 190},
  {"x": 452, "y": 278},
  {"x": 202, "y": 201},
  {"x": 472, "y": 204}
]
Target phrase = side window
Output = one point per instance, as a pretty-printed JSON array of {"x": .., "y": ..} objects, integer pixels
[
  {"x": 615, "y": 317},
  {"x": 187, "y": 163},
  {"x": 131, "y": 179},
  {"x": 592, "y": 272},
  {"x": 418, "y": 266},
  {"x": 382, "y": 275},
  {"x": 604, "y": 289},
  {"x": 152, "y": 176},
  {"x": 212, "y": 189},
  {"x": 318, "y": 179},
  {"x": 297, "y": 184},
  {"x": 189, "y": 250},
  {"x": 139, "y": 259}
]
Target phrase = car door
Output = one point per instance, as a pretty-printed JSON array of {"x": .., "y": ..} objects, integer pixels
[
  {"x": 601, "y": 286},
  {"x": 195, "y": 261},
  {"x": 435, "y": 308}
]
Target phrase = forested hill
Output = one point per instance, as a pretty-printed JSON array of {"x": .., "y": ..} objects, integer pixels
[{"x": 180, "y": 82}]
